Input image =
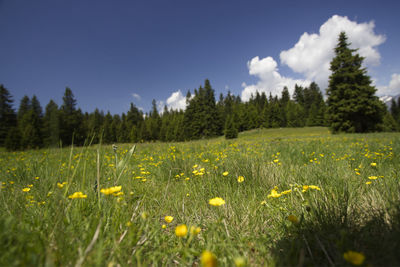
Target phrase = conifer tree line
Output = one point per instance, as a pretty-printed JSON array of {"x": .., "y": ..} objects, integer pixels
[
  {"x": 32, "y": 127},
  {"x": 351, "y": 106}
]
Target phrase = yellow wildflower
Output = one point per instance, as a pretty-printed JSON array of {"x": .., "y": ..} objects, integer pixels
[
  {"x": 355, "y": 258},
  {"x": 274, "y": 194},
  {"x": 168, "y": 219},
  {"x": 27, "y": 189},
  {"x": 208, "y": 259},
  {"x": 239, "y": 261},
  {"x": 286, "y": 192},
  {"x": 61, "y": 185},
  {"x": 144, "y": 215},
  {"x": 314, "y": 187},
  {"x": 369, "y": 182},
  {"x": 293, "y": 219},
  {"x": 195, "y": 230},
  {"x": 111, "y": 190},
  {"x": 77, "y": 195},
  {"x": 163, "y": 226},
  {"x": 225, "y": 173},
  {"x": 181, "y": 230},
  {"x": 240, "y": 179},
  {"x": 372, "y": 177},
  {"x": 217, "y": 201},
  {"x": 373, "y": 164}
]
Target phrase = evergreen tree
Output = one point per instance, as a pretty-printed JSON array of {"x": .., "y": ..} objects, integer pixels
[
  {"x": 352, "y": 104},
  {"x": 314, "y": 106},
  {"x": 29, "y": 123},
  {"x": 395, "y": 110},
  {"x": 51, "y": 125},
  {"x": 71, "y": 120},
  {"x": 230, "y": 128},
  {"x": 201, "y": 115},
  {"x": 298, "y": 94},
  {"x": 154, "y": 122},
  {"x": 108, "y": 134},
  {"x": 8, "y": 118}
]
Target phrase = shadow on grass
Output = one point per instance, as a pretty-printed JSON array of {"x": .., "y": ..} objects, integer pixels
[{"x": 326, "y": 232}]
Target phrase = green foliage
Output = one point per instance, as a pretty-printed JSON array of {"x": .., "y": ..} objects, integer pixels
[
  {"x": 231, "y": 131},
  {"x": 201, "y": 116},
  {"x": 51, "y": 125},
  {"x": 352, "y": 104},
  {"x": 71, "y": 128},
  {"x": 7, "y": 114}
]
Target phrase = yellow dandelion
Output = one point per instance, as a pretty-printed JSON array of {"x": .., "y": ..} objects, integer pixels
[
  {"x": 208, "y": 259},
  {"x": 373, "y": 164},
  {"x": 314, "y": 187},
  {"x": 181, "y": 230},
  {"x": 274, "y": 194},
  {"x": 225, "y": 173},
  {"x": 27, "y": 189},
  {"x": 195, "y": 230},
  {"x": 217, "y": 201},
  {"x": 355, "y": 258},
  {"x": 168, "y": 219},
  {"x": 372, "y": 177},
  {"x": 77, "y": 195},
  {"x": 163, "y": 226},
  {"x": 111, "y": 190},
  {"x": 240, "y": 179}
]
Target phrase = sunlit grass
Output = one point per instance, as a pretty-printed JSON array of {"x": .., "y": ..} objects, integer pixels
[{"x": 271, "y": 197}]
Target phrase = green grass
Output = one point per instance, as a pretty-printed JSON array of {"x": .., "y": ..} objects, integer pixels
[{"x": 44, "y": 227}]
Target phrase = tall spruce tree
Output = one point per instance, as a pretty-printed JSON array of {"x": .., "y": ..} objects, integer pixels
[
  {"x": 352, "y": 104},
  {"x": 71, "y": 119},
  {"x": 51, "y": 125},
  {"x": 8, "y": 118}
]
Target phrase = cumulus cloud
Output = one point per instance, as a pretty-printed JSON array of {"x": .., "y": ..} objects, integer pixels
[
  {"x": 177, "y": 101},
  {"x": 136, "y": 96},
  {"x": 312, "y": 54},
  {"x": 270, "y": 80},
  {"x": 393, "y": 88}
]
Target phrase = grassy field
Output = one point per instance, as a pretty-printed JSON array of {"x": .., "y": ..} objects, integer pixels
[{"x": 292, "y": 197}]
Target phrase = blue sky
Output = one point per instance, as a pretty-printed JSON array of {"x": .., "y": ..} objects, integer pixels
[{"x": 111, "y": 53}]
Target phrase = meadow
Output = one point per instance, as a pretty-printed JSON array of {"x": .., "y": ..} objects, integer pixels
[{"x": 275, "y": 197}]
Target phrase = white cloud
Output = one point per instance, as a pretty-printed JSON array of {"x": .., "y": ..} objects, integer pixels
[
  {"x": 312, "y": 54},
  {"x": 176, "y": 101},
  {"x": 136, "y": 96},
  {"x": 270, "y": 81},
  {"x": 393, "y": 88}
]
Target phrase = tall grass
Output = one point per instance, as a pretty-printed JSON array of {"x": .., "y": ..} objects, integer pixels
[{"x": 351, "y": 204}]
